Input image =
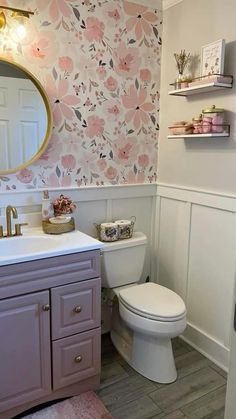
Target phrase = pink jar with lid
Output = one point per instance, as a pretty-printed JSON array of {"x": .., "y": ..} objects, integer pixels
[
  {"x": 216, "y": 115},
  {"x": 197, "y": 125}
]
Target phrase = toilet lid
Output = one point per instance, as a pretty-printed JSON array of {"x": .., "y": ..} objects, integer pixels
[{"x": 153, "y": 301}]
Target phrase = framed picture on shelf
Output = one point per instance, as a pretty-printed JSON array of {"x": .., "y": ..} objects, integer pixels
[{"x": 212, "y": 58}]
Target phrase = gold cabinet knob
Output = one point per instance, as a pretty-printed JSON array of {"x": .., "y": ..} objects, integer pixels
[
  {"x": 78, "y": 359},
  {"x": 78, "y": 309},
  {"x": 46, "y": 307}
]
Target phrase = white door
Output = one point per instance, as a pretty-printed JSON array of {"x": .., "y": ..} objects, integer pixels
[
  {"x": 230, "y": 407},
  {"x": 22, "y": 125}
]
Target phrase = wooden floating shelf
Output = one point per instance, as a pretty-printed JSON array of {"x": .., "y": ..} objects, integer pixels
[
  {"x": 211, "y": 135},
  {"x": 202, "y": 88}
]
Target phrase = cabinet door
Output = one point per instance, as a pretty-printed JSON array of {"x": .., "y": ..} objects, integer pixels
[
  {"x": 75, "y": 308},
  {"x": 76, "y": 358},
  {"x": 24, "y": 349}
]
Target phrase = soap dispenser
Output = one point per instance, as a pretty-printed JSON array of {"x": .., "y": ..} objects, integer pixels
[{"x": 47, "y": 207}]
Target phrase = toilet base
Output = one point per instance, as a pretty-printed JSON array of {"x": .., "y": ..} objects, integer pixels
[
  {"x": 150, "y": 356},
  {"x": 153, "y": 358}
]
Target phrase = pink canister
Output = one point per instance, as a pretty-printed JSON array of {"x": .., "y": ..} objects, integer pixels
[
  {"x": 197, "y": 125},
  {"x": 217, "y": 118}
]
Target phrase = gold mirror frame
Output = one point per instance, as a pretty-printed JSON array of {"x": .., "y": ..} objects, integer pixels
[{"x": 49, "y": 118}]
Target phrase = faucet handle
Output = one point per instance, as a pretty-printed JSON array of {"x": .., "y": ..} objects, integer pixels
[{"x": 18, "y": 228}]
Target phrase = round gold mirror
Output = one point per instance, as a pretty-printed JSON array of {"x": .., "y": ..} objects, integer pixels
[{"x": 25, "y": 118}]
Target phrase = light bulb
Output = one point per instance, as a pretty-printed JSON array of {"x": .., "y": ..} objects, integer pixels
[{"x": 21, "y": 32}]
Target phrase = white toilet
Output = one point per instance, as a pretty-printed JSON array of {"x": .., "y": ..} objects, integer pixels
[{"x": 144, "y": 316}]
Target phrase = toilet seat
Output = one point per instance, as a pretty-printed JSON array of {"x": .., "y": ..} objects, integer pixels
[{"x": 153, "y": 301}]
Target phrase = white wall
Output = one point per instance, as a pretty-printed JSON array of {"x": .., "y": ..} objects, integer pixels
[
  {"x": 207, "y": 163},
  {"x": 196, "y": 258}
]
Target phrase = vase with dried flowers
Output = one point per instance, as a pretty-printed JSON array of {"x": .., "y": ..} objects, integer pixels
[
  {"x": 182, "y": 59},
  {"x": 63, "y": 205}
]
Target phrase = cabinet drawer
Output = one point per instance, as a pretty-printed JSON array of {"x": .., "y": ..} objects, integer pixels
[
  {"x": 76, "y": 358},
  {"x": 75, "y": 308}
]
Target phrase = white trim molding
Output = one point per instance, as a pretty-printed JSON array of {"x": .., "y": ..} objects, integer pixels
[{"x": 166, "y": 4}]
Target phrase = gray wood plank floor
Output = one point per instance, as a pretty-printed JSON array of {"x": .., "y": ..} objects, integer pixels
[{"x": 199, "y": 391}]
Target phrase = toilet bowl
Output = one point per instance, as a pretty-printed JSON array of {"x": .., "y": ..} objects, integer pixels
[{"x": 144, "y": 316}]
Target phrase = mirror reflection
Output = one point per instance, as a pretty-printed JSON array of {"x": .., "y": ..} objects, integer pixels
[{"x": 24, "y": 118}]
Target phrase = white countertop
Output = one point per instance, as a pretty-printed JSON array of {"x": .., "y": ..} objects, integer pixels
[{"x": 35, "y": 244}]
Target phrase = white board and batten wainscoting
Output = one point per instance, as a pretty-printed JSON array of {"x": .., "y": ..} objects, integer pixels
[
  {"x": 191, "y": 250},
  {"x": 196, "y": 250}
]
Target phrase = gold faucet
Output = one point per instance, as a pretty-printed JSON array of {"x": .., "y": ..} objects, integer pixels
[{"x": 10, "y": 210}]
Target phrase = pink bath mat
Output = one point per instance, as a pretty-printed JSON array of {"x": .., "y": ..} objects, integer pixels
[{"x": 84, "y": 406}]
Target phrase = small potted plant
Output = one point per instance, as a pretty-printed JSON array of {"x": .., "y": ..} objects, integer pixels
[
  {"x": 182, "y": 59},
  {"x": 63, "y": 205}
]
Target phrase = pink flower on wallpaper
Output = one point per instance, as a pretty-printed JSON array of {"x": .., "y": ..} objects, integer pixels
[
  {"x": 113, "y": 13},
  {"x": 145, "y": 75},
  {"x": 66, "y": 64},
  {"x": 143, "y": 160},
  {"x": 68, "y": 161},
  {"x": 61, "y": 101},
  {"x": 111, "y": 173},
  {"x": 87, "y": 161},
  {"x": 132, "y": 177},
  {"x": 102, "y": 164},
  {"x": 125, "y": 150},
  {"x": 57, "y": 8},
  {"x": 54, "y": 182},
  {"x": 86, "y": 68},
  {"x": 126, "y": 60},
  {"x": 138, "y": 108},
  {"x": 141, "y": 19},
  {"x": 52, "y": 152},
  {"x": 101, "y": 72},
  {"x": 95, "y": 126},
  {"x": 25, "y": 175},
  {"x": 94, "y": 29},
  {"x": 111, "y": 84},
  {"x": 43, "y": 50},
  {"x": 113, "y": 110}
]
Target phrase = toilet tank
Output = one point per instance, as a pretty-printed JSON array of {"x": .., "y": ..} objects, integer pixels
[{"x": 123, "y": 260}]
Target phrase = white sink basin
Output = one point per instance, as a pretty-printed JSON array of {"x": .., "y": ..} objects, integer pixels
[{"x": 34, "y": 244}]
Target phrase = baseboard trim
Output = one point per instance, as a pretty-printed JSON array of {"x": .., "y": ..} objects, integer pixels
[{"x": 207, "y": 346}]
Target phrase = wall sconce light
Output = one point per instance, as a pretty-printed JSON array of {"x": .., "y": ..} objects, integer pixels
[{"x": 17, "y": 14}]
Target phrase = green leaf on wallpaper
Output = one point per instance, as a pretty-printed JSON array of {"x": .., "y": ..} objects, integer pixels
[
  {"x": 78, "y": 114},
  {"x": 153, "y": 119},
  {"x": 135, "y": 169},
  {"x": 131, "y": 41},
  {"x": 58, "y": 172},
  {"x": 160, "y": 41},
  {"x": 95, "y": 175},
  {"x": 156, "y": 33},
  {"x": 130, "y": 131},
  {"x": 111, "y": 63},
  {"x": 68, "y": 127},
  {"x": 46, "y": 23},
  {"x": 136, "y": 84},
  {"x": 54, "y": 73},
  {"x": 76, "y": 13},
  {"x": 65, "y": 26},
  {"x": 111, "y": 154}
]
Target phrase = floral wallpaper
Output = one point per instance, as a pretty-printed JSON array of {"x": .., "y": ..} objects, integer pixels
[{"x": 99, "y": 62}]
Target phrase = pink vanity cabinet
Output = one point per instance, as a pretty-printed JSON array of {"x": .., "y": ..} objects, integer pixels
[{"x": 50, "y": 332}]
